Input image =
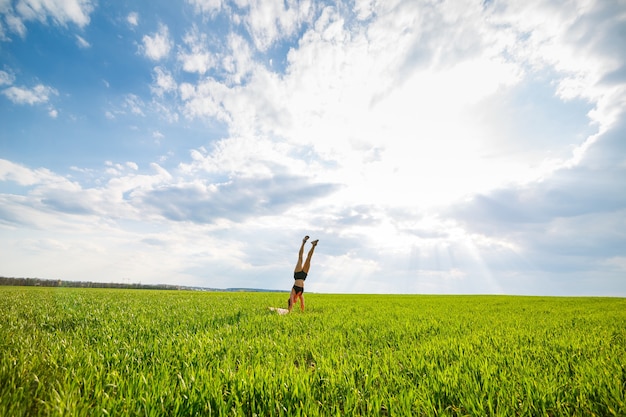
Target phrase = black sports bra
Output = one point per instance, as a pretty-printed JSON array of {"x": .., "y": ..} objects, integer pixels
[{"x": 299, "y": 275}]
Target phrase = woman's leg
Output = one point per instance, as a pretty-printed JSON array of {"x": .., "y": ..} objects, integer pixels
[
  {"x": 299, "y": 264},
  {"x": 307, "y": 263}
]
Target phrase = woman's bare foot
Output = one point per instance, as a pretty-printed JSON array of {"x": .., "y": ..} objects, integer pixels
[
  {"x": 314, "y": 243},
  {"x": 305, "y": 239}
]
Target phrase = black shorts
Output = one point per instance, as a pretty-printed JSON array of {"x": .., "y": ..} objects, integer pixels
[
  {"x": 299, "y": 275},
  {"x": 298, "y": 289}
]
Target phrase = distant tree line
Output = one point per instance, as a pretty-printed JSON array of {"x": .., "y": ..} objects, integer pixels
[{"x": 39, "y": 282}]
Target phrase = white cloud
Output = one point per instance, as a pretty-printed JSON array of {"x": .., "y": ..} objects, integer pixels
[
  {"x": 163, "y": 82},
  {"x": 363, "y": 8},
  {"x": 165, "y": 110},
  {"x": 196, "y": 57},
  {"x": 239, "y": 63},
  {"x": 206, "y": 6},
  {"x": 157, "y": 135},
  {"x": 579, "y": 42},
  {"x": 133, "y": 103},
  {"x": 161, "y": 172},
  {"x": 61, "y": 12},
  {"x": 6, "y": 78},
  {"x": 242, "y": 157},
  {"x": 133, "y": 18},
  {"x": 205, "y": 99},
  {"x": 10, "y": 171},
  {"x": 385, "y": 86},
  {"x": 269, "y": 21},
  {"x": 23, "y": 95},
  {"x": 157, "y": 46},
  {"x": 53, "y": 113},
  {"x": 5, "y": 6},
  {"x": 334, "y": 89},
  {"x": 82, "y": 43},
  {"x": 15, "y": 24}
]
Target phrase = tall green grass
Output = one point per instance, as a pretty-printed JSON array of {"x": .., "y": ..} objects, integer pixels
[{"x": 90, "y": 352}]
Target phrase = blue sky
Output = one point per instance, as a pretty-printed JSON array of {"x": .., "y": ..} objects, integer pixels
[{"x": 450, "y": 147}]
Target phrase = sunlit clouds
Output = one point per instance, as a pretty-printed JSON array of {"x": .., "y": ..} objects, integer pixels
[{"x": 463, "y": 147}]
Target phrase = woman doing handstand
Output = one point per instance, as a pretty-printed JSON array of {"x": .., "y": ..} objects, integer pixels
[{"x": 299, "y": 275}]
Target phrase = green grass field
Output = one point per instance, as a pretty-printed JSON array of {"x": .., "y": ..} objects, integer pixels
[{"x": 92, "y": 352}]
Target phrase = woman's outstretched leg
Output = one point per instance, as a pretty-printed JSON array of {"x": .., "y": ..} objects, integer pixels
[
  {"x": 307, "y": 263},
  {"x": 300, "y": 254}
]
